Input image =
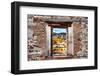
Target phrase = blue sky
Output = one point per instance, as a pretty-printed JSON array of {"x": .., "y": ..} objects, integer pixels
[{"x": 59, "y": 30}]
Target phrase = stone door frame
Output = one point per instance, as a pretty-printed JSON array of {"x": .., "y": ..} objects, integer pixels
[{"x": 53, "y": 24}]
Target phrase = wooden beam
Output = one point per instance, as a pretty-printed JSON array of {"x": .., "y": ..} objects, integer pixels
[{"x": 59, "y": 24}]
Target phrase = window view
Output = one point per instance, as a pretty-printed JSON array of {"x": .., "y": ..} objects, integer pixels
[{"x": 59, "y": 41}]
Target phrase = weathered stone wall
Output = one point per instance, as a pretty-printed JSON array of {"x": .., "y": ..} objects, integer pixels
[
  {"x": 38, "y": 37},
  {"x": 37, "y": 24},
  {"x": 40, "y": 31},
  {"x": 76, "y": 37},
  {"x": 80, "y": 37}
]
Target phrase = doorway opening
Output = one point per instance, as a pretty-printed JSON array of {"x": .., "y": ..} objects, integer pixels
[
  {"x": 59, "y": 37},
  {"x": 59, "y": 42}
]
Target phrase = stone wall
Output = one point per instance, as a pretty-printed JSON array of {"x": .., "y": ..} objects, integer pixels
[
  {"x": 38, "y": 36},
  {"x": 37, "y": 24},
  {"x": 80, "y": 38},
  {"x": 76, "y": 37},
  {"x": 40, "y": 31}
]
